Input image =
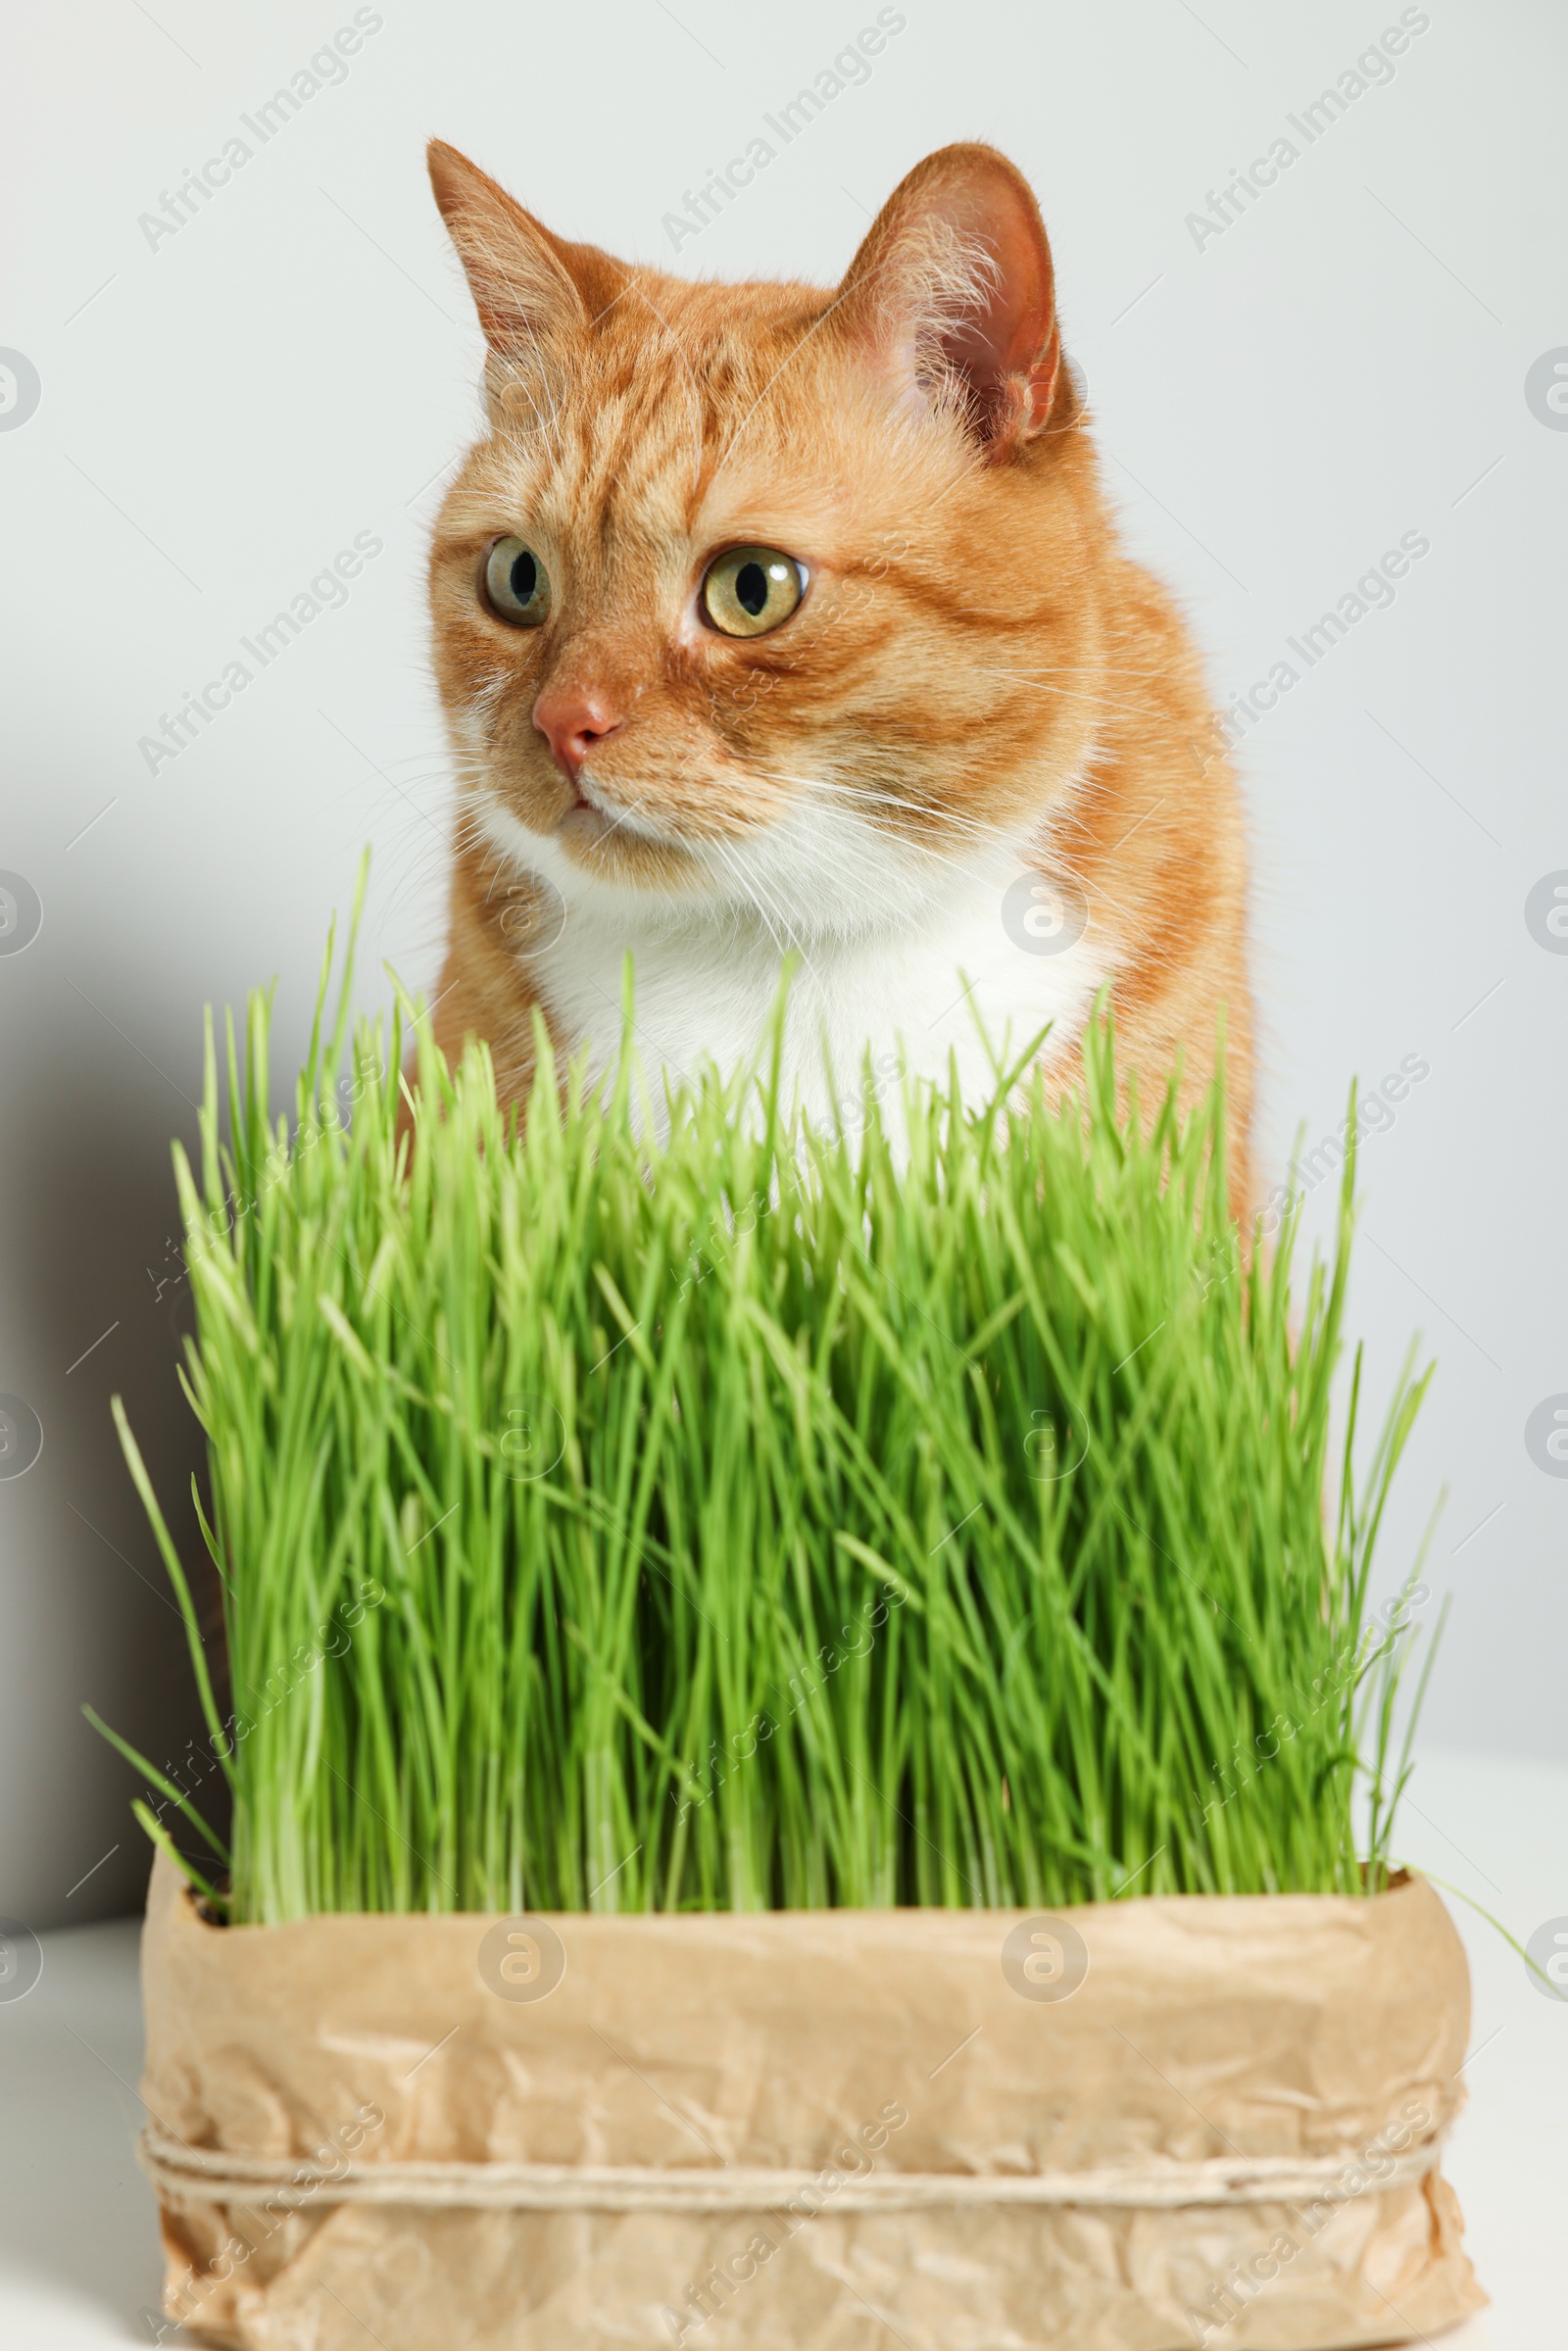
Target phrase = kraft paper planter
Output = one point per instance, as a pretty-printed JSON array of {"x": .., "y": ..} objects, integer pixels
[{"x": 1111, "y": 2130}]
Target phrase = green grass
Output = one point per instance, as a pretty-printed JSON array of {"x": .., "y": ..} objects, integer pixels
[{"x": 755, "y": 1519}]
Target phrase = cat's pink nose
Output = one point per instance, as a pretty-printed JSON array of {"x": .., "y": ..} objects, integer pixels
[{"x": 573, "y": 721}]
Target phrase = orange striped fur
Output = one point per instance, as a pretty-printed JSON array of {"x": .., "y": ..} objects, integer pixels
[{"x": 976, "y": 685}]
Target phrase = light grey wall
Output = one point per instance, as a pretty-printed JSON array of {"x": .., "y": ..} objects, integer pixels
[{"x": 222, "y": 411}]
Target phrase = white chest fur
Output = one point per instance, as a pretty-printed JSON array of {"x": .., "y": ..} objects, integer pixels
[{"x": 955, "y": 963}]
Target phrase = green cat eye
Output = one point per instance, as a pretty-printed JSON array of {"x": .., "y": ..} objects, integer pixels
[
  {"x": 517, "y": 585},
  {"x": 749, "y": 590}
]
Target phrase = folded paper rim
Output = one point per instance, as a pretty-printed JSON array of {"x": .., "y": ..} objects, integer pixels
[{"x": 205, "y": 1957}]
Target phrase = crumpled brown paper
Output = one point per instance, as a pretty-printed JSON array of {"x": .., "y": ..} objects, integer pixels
[{"x": 855, "y": 2043}]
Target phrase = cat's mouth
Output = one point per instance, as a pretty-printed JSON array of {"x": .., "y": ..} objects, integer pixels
[
  {"x": 643, "y": 833},
  {"x": 589, "y": 816},
  {"x": 594, "y": 816}
]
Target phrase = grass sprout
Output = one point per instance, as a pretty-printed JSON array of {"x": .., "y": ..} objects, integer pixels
[{"x": 676, "y": 1507}]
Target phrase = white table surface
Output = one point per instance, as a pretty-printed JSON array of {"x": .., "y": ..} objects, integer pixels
[{"x": 78, "y": 2252}]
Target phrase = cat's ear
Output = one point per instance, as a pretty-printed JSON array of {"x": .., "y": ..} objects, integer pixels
[
  {"x": 521, "y": 277},
  {"x": 952, "y": 295}
]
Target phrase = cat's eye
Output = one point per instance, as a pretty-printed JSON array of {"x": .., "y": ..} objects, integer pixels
[
  {"x": 517, "y": 586},
  {"x": 749, "y": 590}
]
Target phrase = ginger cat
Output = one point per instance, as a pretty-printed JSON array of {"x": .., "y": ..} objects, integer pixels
[{"x": 775, "y": 620}]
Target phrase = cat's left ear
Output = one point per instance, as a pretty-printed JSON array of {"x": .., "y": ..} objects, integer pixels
[{"x": 953, "y": 294}]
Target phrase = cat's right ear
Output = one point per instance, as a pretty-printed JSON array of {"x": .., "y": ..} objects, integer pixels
[{"x": 521, "y": 275}]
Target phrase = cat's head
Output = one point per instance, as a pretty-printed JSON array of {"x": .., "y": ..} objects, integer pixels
[{"x": 756, "y": 594}]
